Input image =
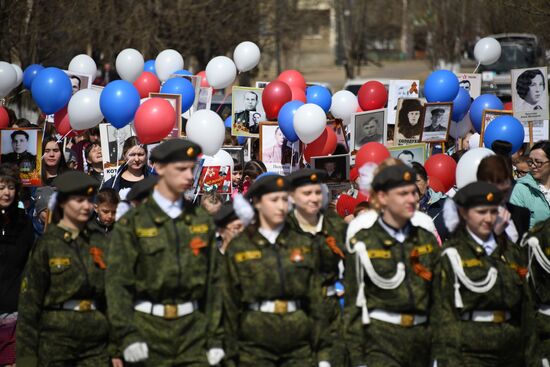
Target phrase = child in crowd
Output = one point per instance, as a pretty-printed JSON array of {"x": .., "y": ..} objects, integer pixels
[{"x": 105, "y": 208}]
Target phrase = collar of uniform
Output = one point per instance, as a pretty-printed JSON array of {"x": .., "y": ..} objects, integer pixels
[
  {"x": 69, "y": 234},
  {"x": 166, "y": 205},
  {"x": 399, "y": 235},
  {"x": 489, "y": 246},
  {"x": 317, "y": 228},
  {"x": 271, "y": 235}
]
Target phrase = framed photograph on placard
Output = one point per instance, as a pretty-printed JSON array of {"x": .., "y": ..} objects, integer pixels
[
  {"x": 437, "y": 119},
  {"x": 22, "y": 147},
  {"x": 112, "y": 142},
  {"x": 215, "y": 179},
  {"x": 539, "y": 131},
  {"x": 247, "y": 149},
  {"x": 488, "y": 117},
  {"x": 196, "y": 82},
  {"x": 336, "y": 167},
  {"x": 400, "y": 89},
  {"x": 237, "y": 153},
  {"x": 410, "y": 119},
  {"x": 205, "y": 98},
  {"x": 530, "y": 94},
  {"x": 340, "y": 131},
  {"x": 276, "y": 152},
  {"x": 175, "y": 101},
  {"x": 247, "y": 111},
  {"x": 261, "y": 84},
  {"x": 79, "y": 81},
  {"x": 471, "y": 83},
  {"x": 368, "y": 127},
  {"x": 409, "y": 153}
]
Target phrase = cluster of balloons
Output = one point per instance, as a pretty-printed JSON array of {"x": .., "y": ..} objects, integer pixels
[{"x": 221, "y": 71}]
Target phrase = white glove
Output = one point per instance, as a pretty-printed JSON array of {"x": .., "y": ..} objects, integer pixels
[
  {"x": 136, "y": 352},
  {"x": 545, "y": 363},
  {"x": 435, "y": 363},
  {"x": 214, "y": 356},
  {"x": 324, "y": 364}
]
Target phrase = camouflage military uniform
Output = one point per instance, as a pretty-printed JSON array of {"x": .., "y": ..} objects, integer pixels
[
  {"x": 63, "y": 268},
  {"x": 166, "y": 261},
  {"x": 539, "y": 282},
  {"x": 329, "y": 249},
  {"x": 255, "y": 272},
  {"x": 382, "y": 343},
  {"x": 459, "y": 339}
]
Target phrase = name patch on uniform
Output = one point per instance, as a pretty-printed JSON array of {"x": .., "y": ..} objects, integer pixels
[
  {"x": 199, "y": 229},
  {"x": 60, "y": 261},
  {"x": 147, "y": 232},
  {"x": 425, "y": 249},
  {"x": 247, "y": 255},
  {"x": 470, "y": 263},
  {"x": 379, "y": 254}
]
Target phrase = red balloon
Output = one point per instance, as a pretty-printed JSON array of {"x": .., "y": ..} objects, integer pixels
[
  {"x": 372, "y": 95},
  {"x": 359, "y": 109},
  {"x": 204, "y": 82},
  {"x": 275, "y": 95},
  {"x": 298, "y": 94},
  {"x": 346, "y": 205},
  {"x": 147, "y": 83},
  {"x": 442, "y": 167},
  {"x": 371, "y": 152},
  {"x": 322, "y": 146},
  {"x": 353, "y": 174},
  {"x": 62, "y": 124},
  {"x": 508, "y": 106},
  {"x": 293, "y": 78},
  {"x": 436, "y": 185},
  {"x": 154, "y": 120},
  {"x": 4, "y": 118}
]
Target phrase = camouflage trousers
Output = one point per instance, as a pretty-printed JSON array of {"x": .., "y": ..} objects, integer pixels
[
  {"x": 73, "y": 339},
  {"x": 542, "y": 323},
  {"x": 338, "y": 353}
]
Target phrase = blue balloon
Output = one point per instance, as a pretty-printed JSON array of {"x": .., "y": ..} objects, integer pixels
[
  {"x": 150, "y": 66},
  {"x": 182, "y": 87},
  {"x": 461, "y": 105},
  {"x": 51, "y": 90},
  {"x": 228, "y": 122},
  {"x": 286, "y": 119},
  {"x": 183, "y": 72},
  {"x": 241, "y": 140},
  {"x": 506, "y": 128},
  {"x": 30, "y": 73},
  {"x": 320, "y": 96},
  {"x": 441, "y": 86},
  {"x": 119, "y": 102},
  {"x": 481, "y": 103}
]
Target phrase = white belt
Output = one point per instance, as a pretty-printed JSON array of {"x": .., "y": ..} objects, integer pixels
[
  {"x": 168, "y": 312},
  {"x": 79, "y": 305},
  {"x": 330, "y": 291},
  {"x": 277, "y": 306},
  {"x": 487, "y": 316},
  {"x": 395, "y": 318},
  {"x": 544, "y": 309}
]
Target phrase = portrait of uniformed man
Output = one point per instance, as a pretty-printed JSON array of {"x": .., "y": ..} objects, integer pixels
[{"x": 20, "y": 154}]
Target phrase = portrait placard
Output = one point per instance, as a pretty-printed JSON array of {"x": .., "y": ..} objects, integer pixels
[
  {"x": 530, "y": 94},
  {"x": 276, "y": 152},
  {"x": 437, "y": 119},
  {"x": 247, "y": 111},
  {"x": 22, "y": 147}
]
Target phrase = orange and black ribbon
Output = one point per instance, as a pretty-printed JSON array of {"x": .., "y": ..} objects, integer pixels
[
  {"x": 414, "y": 88},
  {"x": 418, "y": 268},
  {"x": 97, "y": 255},
  {"x": 196, "y": 244},
  {"x": 331, "y": 243}
]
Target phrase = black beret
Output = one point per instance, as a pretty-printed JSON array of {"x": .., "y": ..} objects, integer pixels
[
  {"x": 392, "y": 177},
  {"x": 175, "y": 150},
  {"x": 306, "y": 176},
  {"x": 437, "y": 110},
  {"x": 76, "y": 183},
  {"x": 142, "y": 189},
  {"x": 501, "y": 147},
  {"x": 478, "y": 193},
  {"x": 266, "y": 185},
  {"x": 225, "y": 215}
]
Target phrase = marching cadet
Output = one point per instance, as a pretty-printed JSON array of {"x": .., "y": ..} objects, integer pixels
[
  {"x": 327, "y": 232},
  {"x": 272, "y": 295},
  {"x": 388, "y": 277},
  {"x": 538, "y": 244},
  {"x": 160, "y": 284},
  {"x": 62, "y": 318},
  {"x": 480, "y": 296}
]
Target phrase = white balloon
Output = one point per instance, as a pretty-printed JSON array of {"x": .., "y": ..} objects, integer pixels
[
  {"x": 84, "y": 112},
  {"x": 206, "y": 128},
  {"x": 167, "y": 62},
  {"x": 344, "y": 104},
  {"x": 83, "y": 64},
  {"x": 129, "y": 64},
  {"x": 246, "y": 56},
  {"x": 487, "y": 51},
  {"x": 221, "y": 72},
  {"x": 8, "y": 77},
  {"x": 222, "y": 158},
  {"x": 19, "y": 75},
  {"x": 460, "y": 129},
  {"x": 466, "y": 169},
  {"x": 309, "y": 122}
]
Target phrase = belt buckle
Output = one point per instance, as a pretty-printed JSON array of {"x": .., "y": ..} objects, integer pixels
[
  {"x": 281, "y": 306},
  {"x": 407, "y": 320},
  {"x": 499, "y": 317},
  {"x": 85, "y": 305},
  {"x": 170, "y": 312}
]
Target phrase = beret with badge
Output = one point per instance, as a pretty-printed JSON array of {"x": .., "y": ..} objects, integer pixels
[
  {"x": 306, "y": 176},
  {"x": 267, "y": 185},
  {"x": 392, "y": 177},
  {"x": 75, "y": 183},
  {"x": 478, "y": 193},
  {"x": 175, "y": 150}
]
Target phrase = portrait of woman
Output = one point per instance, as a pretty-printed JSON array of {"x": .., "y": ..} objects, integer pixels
[
  {"x": 409, "y": 121},
  {"x": 530, "y": 97}
]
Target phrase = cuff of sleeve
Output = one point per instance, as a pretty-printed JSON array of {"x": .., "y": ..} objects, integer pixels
[
  {"x": 130, "y": 339},
  {"x": 27, "y": 361}
]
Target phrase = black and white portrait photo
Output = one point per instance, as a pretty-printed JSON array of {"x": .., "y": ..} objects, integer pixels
[
  {"x": 336, "y": 166},
  {"x": 248, "y": 111},
  {"x": 409, "y": 153},
  {"x": 410, "y": 118},
  {"x": 368, "y": 127},
  {"x": 471, "y": 83},
  {"x": 437, "y": 118},
  {"x": 276, "y": 152},
  {"x": 400, "y": 89},
  {"x": 21, "y": 147},
  {"x": 112, "y": 142},
  {"x": 79, "y": 81},
  {"x": 530, "y": 94}
]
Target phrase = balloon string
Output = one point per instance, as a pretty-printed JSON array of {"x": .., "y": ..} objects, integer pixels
[
  {"x": 223, "y": 101},
  {"x": 477, "y": 67}
]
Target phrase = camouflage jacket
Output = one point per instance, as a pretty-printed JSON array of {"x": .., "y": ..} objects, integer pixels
[
  {"x": 539, "y": 279},
  {"x": 419, "y": 253},
  {"x": 162, "y": 260}
]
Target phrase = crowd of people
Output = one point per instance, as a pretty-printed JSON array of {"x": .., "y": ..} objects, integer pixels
[{"x": 126, "y": 270}]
